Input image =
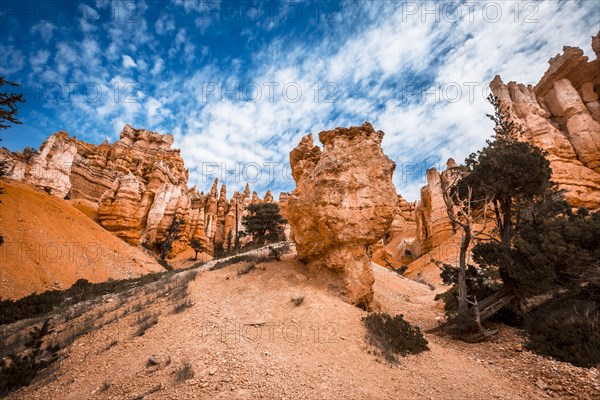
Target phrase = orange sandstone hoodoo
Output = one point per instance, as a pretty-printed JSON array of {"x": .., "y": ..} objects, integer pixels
[{"x": 344, "y": 201}]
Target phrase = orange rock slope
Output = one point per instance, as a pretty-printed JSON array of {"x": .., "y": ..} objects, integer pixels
[{"x": 49, "y": 244}]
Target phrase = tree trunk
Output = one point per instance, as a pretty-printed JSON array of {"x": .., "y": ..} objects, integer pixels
[
  {"x": 462, "y": 271},
  {"x": 494, "y": 303},
  {"x": 506, "y": 222}
]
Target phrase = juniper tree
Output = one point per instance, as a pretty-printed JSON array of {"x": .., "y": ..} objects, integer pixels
[
  {"x": 264, "y": 223},
  {"x": 8, "y": 114},
  {"x": 198, "y": 247},
  {"x": 172, "y": 235},
  {"x": 8, "y": 104},
  {"x": 506, "y": 175}
]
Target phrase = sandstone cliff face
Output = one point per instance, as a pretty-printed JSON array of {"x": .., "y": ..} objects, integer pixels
[
  {"x": 561, "y": 114},
  {"x": 48, "y": 168},
  {"x": 344, "y": 201},
  {"x": 119, "y": 210},
  {"x": 139, "y": 184},
  {"x": 401, "y": 245},
  {"x": 433, "y": 225},
  {"x": 283, "y": 203}
]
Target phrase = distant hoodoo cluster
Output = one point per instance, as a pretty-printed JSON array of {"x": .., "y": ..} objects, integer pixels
[{"x": 135, "y": 187}]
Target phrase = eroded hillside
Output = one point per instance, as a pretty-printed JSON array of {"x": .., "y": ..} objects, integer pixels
[
  {"x": 244, "y": 338},
  {"x": 50, "y": 244}
]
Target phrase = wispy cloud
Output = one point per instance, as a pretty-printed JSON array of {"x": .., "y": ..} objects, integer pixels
[{"x": 238, "y": 84}]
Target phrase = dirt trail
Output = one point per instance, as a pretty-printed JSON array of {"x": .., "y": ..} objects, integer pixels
[{"x": 245, "y": 339}]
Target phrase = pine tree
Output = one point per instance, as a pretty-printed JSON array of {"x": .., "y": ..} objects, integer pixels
[
  {"x": 172, "y": 235},
  {"x": 8, "y": 104},
  {"x": 198, "y": 247},
  {"x": 8, "y": 113},
  {"x": 506, "y": 176},
  {"x": 264, "y": 223}
]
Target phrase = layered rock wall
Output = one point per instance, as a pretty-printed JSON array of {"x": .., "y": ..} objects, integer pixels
[
  {"x": 561, "y": 114},
  {"x": 139, "y": 184},
  {"x": 433, "y": 226}
]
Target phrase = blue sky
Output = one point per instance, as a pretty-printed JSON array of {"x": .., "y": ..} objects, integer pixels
[{"x": 238, "y": 83}]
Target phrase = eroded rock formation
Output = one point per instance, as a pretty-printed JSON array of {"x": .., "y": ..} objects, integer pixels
[
  {"x": 138, "y": 183},
  {"x": 401, "y": 245},
  {"x": 344, "y": 202},
  {"x": 433, "y": 226},
  {"x": 561, "y": 114}
]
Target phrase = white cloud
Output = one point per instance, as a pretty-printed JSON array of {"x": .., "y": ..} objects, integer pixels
[
  {"x": 39, "y": 59},
  {"x": 363, "y": 62},
  {"x": 164, "y": 24},
  {"x": 128, "y": 62},
  {"x": 154, "y": 110},
  {"x": 65, "y": 53},
  {"x": 426, "y": 133},
  {"x": 45, "y": 29},
  {"x": 11, "y": 60},
  {"x": 157, "y": 68}
]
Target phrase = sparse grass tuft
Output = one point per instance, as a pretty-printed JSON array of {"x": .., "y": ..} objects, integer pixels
[
  {"x": 18, "y": 370},
  {"x": 297, "y": 301},
  {"x": 182, "y": 306},
  {"x": 105, "y": 386},
  {"x": 185, "y": 372},
  {"x": 111, "y": 345},
  {"x": 422, "y": 281},
  {"x": 276, "y": 253},
  {"x": 145, "y": 322},
  {"x": 138, "y": 307},
  {"x": 237, "y": 260},
  {"x": 37, "y": 305},
  {"x": 246, "y": 270}
]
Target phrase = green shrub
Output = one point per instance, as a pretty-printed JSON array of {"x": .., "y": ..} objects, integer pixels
[
  {"x": 393, "y": 336},
  {"x": 566, "y": 329}
]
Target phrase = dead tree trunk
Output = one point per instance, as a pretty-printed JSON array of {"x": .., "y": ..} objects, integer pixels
[
  {"x": 462, "y": 272},
  {"x": 483, "y": 333},
  {"x": 494, "y": 303}
]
